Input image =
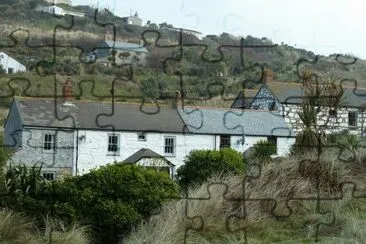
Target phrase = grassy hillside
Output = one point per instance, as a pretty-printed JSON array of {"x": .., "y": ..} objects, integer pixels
[{"x": 199, "y": 66}]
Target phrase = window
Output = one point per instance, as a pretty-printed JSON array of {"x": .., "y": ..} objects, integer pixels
[
  {"x": 333, "y": 113},
  {"x": 10, "y": 70},
  {"x": 169, "y": 145},
  {"x": 352, "y": 119},
  {"x": 49, "y": 142},
  {"x": 49, "y": 176},
  {"x": 224, "y": 141},
  {"x": 141, "y": 137},
  {"x": 113, "y": 143}
]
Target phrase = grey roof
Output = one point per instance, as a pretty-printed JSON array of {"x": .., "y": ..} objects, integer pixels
[
  {"x": 235, "y": 122},
  {"x": 97, "y": 115},
  {"x": 243, "y": 100},
  {"x": 126, "y": 46},
  {"x": 294, "y": 93},
  {"x": 133, "y": 117},
  {"x": 144, "y": 153}
]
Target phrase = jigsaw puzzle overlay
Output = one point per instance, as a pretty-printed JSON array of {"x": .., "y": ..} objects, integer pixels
[{"x": 285, "y": 192}]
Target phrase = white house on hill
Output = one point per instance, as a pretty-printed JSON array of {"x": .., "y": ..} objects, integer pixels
[
  {"x": 77, "y": 136},
  {"x": 10, "y": 65}
]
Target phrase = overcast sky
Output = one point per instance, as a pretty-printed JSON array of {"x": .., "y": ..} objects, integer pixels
[{"x": 322, "y": 26}]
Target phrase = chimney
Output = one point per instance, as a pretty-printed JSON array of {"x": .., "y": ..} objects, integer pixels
[
  {"x": 176, "y": 100},
  {"x": 267, "y": 76},
  {"x": 67, "y": 91}
]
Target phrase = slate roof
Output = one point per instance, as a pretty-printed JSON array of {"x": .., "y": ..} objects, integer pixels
[
  {"x": 293, "y": 93},
  {"x": 144, "y": 153},
  {"x": 235, "y": 122},
  {"x": 129, "y": 117},
  {"x": 244, "y": 100},
  {"x": 126, "y": 46},
  {"x": 89, "y": 115}
]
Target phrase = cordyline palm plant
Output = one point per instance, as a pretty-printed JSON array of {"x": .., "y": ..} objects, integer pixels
[{"x": 318, "y": 98}]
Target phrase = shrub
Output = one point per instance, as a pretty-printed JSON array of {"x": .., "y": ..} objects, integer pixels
[
  {"x": 264, "y": 149},
  {"x": 114, "y": 198},
  {"x": 199, "y": 165}
]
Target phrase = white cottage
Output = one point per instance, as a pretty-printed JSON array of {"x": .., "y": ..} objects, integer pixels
[
  {"x": 77, "y": 136},
  {"x": 10, "y": 65}
]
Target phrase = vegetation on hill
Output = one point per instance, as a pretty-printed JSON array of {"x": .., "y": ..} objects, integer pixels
[{"x": 202, "y": 66}]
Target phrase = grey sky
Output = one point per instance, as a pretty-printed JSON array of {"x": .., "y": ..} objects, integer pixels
[{"x": 322, "y": 26}]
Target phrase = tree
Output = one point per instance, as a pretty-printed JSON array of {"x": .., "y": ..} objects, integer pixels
[
  {"x": 199, "y": 165},
  {"x": 319, "y": 97}
]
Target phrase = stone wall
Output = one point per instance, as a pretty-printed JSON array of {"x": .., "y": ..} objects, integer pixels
[{"x": 325, "y": 120}]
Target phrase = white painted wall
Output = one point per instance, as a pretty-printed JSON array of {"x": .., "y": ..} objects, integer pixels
[
  {"x": 8, "y": 62},
  {"x": 284, "y": 145},
  {"x": 80, "y": 151},
  {"x": 93, "y": 151}
]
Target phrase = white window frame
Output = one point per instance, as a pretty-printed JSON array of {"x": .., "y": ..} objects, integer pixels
[
  {"x": 170, "y": 146},
  {"x": 141, "y": 134},
  {"x": 51, "y": 142},
  {"x": 49, "y": 172},
  {"x": 111, "y": 144}
]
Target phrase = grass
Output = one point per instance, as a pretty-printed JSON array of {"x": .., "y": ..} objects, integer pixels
[
  {"x": 292, "y": 220},
  {"x": 16, "y": 228}
]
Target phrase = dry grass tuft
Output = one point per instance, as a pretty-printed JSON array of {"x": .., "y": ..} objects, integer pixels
[
  {"x": 15, "y": 228},
  {"x": 279, "y": 182}
]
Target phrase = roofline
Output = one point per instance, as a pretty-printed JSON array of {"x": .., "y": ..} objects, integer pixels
[
  {"x": 146, "y": 131},
  {"x": 301, "y": 85}
]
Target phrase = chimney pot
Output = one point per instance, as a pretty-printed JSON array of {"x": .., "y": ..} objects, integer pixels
[
  {"x": 67, "y": 90},
  {"x": 267, "y": 76},
  {"x": 176, "y": 100}
]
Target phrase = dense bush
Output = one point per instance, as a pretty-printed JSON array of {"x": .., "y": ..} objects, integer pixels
[
  {"x": 112, "y": 199},
  {"x": 264, "y": 149},
  {"x": 199, "y": 165}
]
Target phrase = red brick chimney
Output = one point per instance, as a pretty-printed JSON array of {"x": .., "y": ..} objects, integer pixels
[
  {"x": 267, "y": 76},
  {"x": 67, "y": 90}
]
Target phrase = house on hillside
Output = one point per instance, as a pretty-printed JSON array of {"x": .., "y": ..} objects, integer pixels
[
  {"x": 132, "y": 20},
  {"x": 285, "y": 99},
  {"x": 77, "y": 136},
  {"x": 10, "y": 65},
  {"x": 124, "y": 53},
  {"x": 56, "y": 10}
]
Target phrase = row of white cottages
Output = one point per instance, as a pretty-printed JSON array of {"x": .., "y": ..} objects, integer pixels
[{"x": 77, "y": 136}]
